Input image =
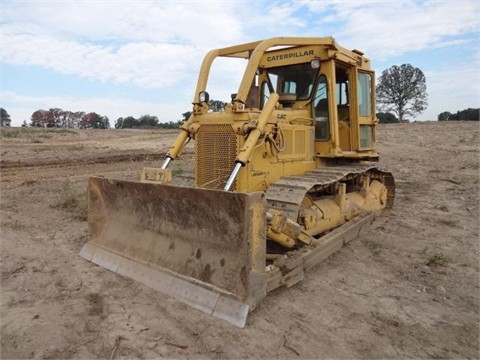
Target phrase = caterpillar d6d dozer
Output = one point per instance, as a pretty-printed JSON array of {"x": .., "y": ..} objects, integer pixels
[{"x": 284, "y": 176}]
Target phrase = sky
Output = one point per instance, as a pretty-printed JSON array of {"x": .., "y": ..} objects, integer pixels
[{"x": 133, "y": 58}]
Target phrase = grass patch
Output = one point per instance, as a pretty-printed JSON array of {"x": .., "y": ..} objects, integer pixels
[
  {"x": 375, "y": 246},
  {"x": 434, "y": 257},
  {"x": 72, "y": 201},
  {"x": 29, "y": 133},
  {"x": 177, "y": 171},
  {"x": 16, "y": 133}
]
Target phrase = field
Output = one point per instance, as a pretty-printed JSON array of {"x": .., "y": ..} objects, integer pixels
[{"x": 407, "y": 289}]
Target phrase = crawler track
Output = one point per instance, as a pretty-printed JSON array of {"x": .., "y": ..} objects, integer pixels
[{"x": 287, "y": 193}]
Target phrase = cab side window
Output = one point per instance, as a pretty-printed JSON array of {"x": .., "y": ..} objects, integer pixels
[
  {"x": 320, "y": 109},
  {"x": 364, "y": 94}
]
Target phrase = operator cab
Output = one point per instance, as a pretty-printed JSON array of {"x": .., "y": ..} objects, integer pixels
[{"x": 344, "y": 124}]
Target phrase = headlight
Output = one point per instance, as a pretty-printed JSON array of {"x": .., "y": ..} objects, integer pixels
[
  {"x": 203, "y": 97},
  {"x": 315, "y": 63}
]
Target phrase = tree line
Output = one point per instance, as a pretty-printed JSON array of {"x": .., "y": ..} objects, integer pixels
[
  {"x": 469, "y": 114},
  {"x": 59, "y": 118},
  {"x": 466, "y": 114},
  {"x": 56, "y": 117},
  {"x": 145, "y": 121}
]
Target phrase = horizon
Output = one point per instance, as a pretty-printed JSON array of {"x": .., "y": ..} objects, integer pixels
[{"x": 140, "y": 58}]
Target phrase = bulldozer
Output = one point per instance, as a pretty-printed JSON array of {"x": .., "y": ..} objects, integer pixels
[{"x": 284, "y": 176}]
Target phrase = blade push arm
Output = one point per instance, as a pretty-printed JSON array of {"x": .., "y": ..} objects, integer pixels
[
  {"x": 178, "y": 144},
  {"x": 253, "y": 136}
]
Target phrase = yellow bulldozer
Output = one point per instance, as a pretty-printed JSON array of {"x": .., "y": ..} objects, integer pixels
[{"x": 284, "y": 176}]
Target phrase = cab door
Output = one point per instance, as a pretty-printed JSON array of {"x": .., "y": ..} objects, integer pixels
[{"x": 363, "y": 117}]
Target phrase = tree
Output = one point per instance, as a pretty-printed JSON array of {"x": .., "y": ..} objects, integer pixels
[
  {"x": 42, "y": 118},
  {"x": 216, "y": 105},
  {"x": 68, "y": 119},
  {"x": 57, "y": 115},
  {"x": 403, "y": 91},
  {"x": 4, "y": 118},
  {"x": 468, "y": 114},
  {"x": 170, "y": 125},
  {"x": 465, "y": 114},
  {"x": 73, "y": 119},
  {"x": 94, "y": 121},
  {"x": 386, "y": 118},
  {"x": 119, "y": 123},
  {"x": 129, "y": 122},
  {"x": 47, "y": 118},
  {"x": 148, "y": 121},
  {"x": 105, "y": 123},
  {"x": 445, "y": 116},
  {"x": 186, "y": 115}
]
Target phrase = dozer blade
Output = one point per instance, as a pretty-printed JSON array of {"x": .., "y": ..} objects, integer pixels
[{"x": 204, "y": 247}]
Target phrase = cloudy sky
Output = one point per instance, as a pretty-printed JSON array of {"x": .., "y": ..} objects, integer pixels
[{"x": 122, "y": 58}]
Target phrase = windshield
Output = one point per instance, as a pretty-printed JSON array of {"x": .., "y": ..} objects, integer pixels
[{"x": 292, "y": 79}]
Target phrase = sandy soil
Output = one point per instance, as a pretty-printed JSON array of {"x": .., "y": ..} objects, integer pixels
[{"x": 407, "y": 289}]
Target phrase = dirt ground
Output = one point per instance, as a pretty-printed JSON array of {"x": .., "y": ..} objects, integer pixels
[{"x": 408, "y": 289}]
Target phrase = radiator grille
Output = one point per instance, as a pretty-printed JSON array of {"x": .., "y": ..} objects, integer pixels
[{"x": 215, "y": 151}]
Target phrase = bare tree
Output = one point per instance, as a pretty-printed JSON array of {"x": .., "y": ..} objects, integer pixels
[{"x": 402, "y": 90}]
